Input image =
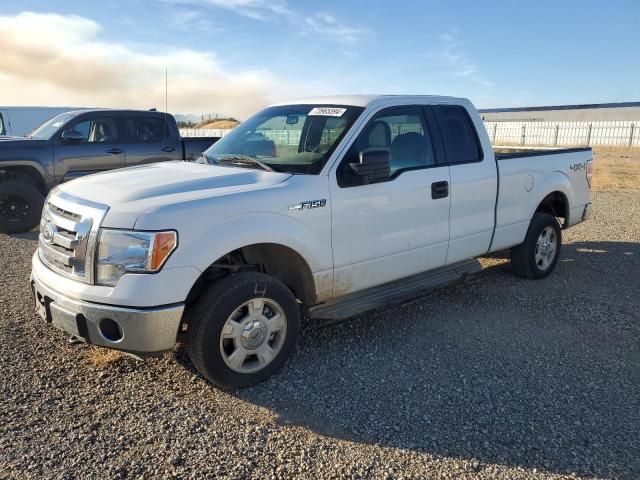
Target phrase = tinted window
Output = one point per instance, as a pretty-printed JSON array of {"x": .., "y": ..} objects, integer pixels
[
  {"x": 146, "y": 130},
  {"x": 400, "y": 130},
  {"x": 459, "y": 134},
  {"x": 97, "y": 130}
]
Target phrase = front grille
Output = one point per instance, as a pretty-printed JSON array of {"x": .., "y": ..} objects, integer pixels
[{"x": 68, "y": 232}]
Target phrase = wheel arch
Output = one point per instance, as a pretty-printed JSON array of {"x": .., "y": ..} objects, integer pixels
[
  {"x": 24, "y": 171},
  {"x": 274, "y": 259},
  {"x": 555, "y": 203}
]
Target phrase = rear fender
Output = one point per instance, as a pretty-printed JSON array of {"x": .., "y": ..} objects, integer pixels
[{"x": 556, "y": 181}]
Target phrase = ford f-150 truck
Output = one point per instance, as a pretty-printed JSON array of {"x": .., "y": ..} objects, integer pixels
[
  {"x": 323, "y": 208},
  {"x": 78, "y": 143}
]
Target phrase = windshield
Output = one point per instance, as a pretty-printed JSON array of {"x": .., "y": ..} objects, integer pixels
[
  {"x": 288, "y": 138},
  {"x": 50, "y": 127}
]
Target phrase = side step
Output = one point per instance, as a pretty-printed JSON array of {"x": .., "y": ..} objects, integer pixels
[{"x": 393, "y": 292}]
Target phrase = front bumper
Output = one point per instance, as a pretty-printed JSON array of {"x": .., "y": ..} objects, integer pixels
[
  {"x": 141, "y": 330},
  {"x": 586, "y": 215}
]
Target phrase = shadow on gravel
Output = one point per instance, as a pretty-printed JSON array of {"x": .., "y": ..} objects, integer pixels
[
  {"x": 533, "y": 374},
  {"x": 31, "y": 235}
]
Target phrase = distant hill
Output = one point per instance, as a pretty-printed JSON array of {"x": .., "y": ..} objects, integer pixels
[
  {"x": 204, "y": 119},
  {"x": 219, "y": 123}
]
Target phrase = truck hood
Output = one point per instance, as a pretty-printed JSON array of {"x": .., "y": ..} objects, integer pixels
[
  {"x": 6, "y": 138},
  {"x": 130, "y": 192},
  {"x": 7, "y": 141}
]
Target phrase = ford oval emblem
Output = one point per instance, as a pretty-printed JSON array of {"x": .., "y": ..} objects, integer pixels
[{"x": 48, "y": 231}]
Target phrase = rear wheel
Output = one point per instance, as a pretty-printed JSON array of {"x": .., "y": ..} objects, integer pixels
[
  {"x": 538, "y": 254},
  {"x": 20, "y": 206},
  {"x": 242, "y": 329}
]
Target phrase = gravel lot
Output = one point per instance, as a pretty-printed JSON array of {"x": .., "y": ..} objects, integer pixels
[{"x": 497, "y": 378}]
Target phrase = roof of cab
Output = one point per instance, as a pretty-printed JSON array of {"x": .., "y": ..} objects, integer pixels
[
  {"x": 115, "y": 110},
  {"x": 369, "y": 100}
]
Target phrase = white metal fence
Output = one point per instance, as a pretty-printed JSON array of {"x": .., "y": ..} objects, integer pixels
[
  {"x": 552, "y": 134},
  {"x": 204, "y": 132},
  {"x": 592, "y": 134}
]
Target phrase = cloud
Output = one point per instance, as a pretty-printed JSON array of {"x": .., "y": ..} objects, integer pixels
[
  {"x": 51, "y": 59},
  {"x": 187, "y": 20},
  {"x": 320, "y": 23},
  {"x": 327, "y": 25},
  {"x": 460, "y": 64},
  {"x": 255, "y": 9}
]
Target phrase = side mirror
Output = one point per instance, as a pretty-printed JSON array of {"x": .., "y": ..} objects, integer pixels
[
  {"x": 374, "y": 166},
  {"x": 71, "y": 136}
]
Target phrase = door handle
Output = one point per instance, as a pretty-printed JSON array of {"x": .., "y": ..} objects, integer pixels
[
  {"x": 439, "y": 189},
  {"x": 114, "y": 151},
  {"x": 168, "y": 149}
]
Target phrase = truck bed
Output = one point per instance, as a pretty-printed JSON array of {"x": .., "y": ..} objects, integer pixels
[
  {"x": 528, "y": 175},
  {"x": 192, "y": 147}
]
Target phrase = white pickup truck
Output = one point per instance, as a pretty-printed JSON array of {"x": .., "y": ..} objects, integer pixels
[{"x": 323, "y": 207}]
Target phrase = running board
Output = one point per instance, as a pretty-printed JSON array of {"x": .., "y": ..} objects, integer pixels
[{"x": 393, "y": 292}]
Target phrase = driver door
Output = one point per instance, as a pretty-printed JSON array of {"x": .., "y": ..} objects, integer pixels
[
  {"x": 397, "y": 227},
  {"x": 98, "y": 148}
]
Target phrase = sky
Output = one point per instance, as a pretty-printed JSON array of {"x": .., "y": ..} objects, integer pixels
[{"x": 233, "y": 57}]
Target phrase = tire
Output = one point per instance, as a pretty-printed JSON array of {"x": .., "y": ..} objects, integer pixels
[
  {"x": 239, "y": 306},
  {"x": 20, "y": 206},
  {"x": 533, "y": 258}
]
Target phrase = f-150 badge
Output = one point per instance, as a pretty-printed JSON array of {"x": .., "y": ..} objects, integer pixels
[{"x": 308, "y": 204}]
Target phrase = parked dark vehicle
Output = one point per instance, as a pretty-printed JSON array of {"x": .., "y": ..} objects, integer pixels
[{"x": 79, "y": 143}]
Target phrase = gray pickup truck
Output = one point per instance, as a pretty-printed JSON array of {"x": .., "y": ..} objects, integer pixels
[{"x": 79, "y": 143}]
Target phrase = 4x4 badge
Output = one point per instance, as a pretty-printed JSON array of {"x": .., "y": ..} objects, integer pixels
[{"x": 308, "y": 204}]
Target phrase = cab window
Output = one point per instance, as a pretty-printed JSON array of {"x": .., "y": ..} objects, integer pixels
[
  {"x": 146, "y": 130},
  {"x": 403, "y": 132},
  {"x": 458, "y": 133},
  {"x": 97, "y": 130}
]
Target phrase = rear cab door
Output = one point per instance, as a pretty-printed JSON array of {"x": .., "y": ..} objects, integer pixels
[
  {"x": 98, "y": 148},
  {"x": 150, "y": 138},
  {"x": 474, "y": 180}
]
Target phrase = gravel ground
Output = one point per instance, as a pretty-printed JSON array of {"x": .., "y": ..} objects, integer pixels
[{"x": 497, "y": 378}]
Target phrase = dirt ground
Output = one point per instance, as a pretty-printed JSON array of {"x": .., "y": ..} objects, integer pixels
[
  {"x": 496, "y": 378},
  {"x": 616, "y": 169}
]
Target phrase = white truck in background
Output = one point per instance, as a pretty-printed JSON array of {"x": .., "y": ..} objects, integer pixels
[
  {"x": 323, "y": 207},
  {"x": 19, "y": 121}
]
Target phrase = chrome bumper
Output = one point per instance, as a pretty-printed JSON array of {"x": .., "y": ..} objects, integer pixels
[{"x": 142, "y": 330}]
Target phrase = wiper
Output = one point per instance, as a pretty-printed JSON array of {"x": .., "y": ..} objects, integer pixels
[
  {"x": 198, "y": 158},
  {"x": 242, "y": 160}
]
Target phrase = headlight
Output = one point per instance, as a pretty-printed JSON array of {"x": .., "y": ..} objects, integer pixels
[{"x": 121, "y": 251}]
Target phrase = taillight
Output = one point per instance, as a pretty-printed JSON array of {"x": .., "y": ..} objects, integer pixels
[{"x": 589, "y": 172}]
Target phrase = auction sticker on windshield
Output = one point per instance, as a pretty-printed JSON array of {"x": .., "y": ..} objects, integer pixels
[{"x": 327, "y": 111}]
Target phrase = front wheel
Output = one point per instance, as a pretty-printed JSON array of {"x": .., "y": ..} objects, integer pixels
[
  {"x": 20, "y": 206},
  {"x": 242, "y": 329},
  {"x": 538, "y": 254}
]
